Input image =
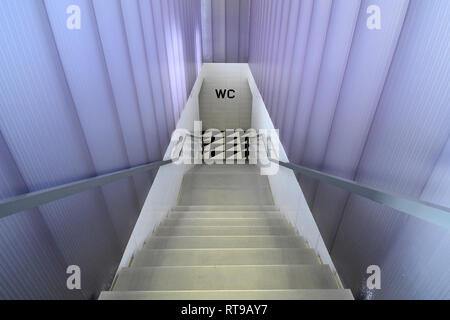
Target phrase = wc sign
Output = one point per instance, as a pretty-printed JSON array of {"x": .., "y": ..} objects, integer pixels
[{"x": 225, "y": 93}]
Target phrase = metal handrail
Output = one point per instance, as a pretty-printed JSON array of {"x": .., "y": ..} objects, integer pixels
[
  {"x": 436, "y": 214},
  {"x": 33, "y": 199},
  {"x": 427, "y": 211}
]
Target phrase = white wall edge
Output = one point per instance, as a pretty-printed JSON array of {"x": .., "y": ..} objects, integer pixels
[
  {"x": 286, "y": 191},
  {"x": 163, "y": 194}
]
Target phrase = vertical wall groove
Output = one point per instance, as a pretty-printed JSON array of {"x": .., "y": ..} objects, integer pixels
[{"x": 226, "y": 30}]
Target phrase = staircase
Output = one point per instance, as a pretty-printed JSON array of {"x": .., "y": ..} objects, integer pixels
[{"x": 225, "y": 240}]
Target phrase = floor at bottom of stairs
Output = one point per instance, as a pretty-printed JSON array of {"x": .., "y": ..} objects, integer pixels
[{"x": 301, "y": 294}]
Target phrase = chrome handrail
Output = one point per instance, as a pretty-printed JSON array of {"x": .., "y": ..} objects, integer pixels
[
  {"x": 433, "y": 213},
  {"x": 36, "y": 198},
  {"x": 427, "y": 211}
]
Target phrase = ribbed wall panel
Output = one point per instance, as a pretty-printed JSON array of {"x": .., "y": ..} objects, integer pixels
[
  {"x": 225, "y": 30},
  {"x": 405, "y": 153},
  {"x": 291, "y": 23},
  {"x": 163, "y": 8},
  {"x": 313, "y": 61},
  {"x": 153, "y": 118},
  {"x": 218, "y": 30},
  {"x": 44, "y": 137},
  {"x": 334, "y": 64},
  {"x": 294, "y": 80},
  {"x": 77, "y": 103},
  {"x": 274, "y": 51},
  {"x": 207, "y": 37},
  {"x": 372, "y": 106},
  {"x": 244, "y": 30},
  {"x": 232, "y": 22},
  {"x": 115, "y": 48},
  {"x": 82, "y": 52},
  {"x": 28, "y": 252},
  {"x": 371, "y": 54},
  {"x": 157, "y": 60}
]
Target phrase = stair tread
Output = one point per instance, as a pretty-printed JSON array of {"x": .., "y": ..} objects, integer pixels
[
  {"x": 226, "y": 173},
  {"x": 225, "y": 187},
  {"x": 211, "y": 195},
  {"x": 225, "y": 208},
  {"x": 224, "y": 214},
  {"x": 208, "y": 221},
  {"x": 230, "y": 256},
  {"x": 225, "y": 168},
  {"x": 222, "y": 230},
  {"x": 249, "y": 277},
  {"x": 290, "y": 294},
  {"x": 168, "y": 242},
  {"x": 205, "y": 212}
]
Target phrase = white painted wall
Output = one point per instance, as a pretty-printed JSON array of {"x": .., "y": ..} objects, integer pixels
[
  {"x": 286, "y": 191},
  {"x": 163, "y": 194},
  {"x": 225, "y": 113}
]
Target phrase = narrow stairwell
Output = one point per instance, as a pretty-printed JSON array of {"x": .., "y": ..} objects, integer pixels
[{"x": 225, "y": 240}]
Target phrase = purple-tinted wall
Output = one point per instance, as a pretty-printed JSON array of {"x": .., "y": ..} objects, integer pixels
[
  {"x": 371, "y": 106},
  {"x": 225, "y": 30},
  {"x": 368, "y": 105},
  {"x": 77, "y": 103}
]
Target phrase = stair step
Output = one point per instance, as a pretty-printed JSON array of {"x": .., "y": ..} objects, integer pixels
[
  {"x": 226, "y": 168},
  {"x": 225, "y": 208},
  {"x": 211, "y": 257},
  {"x": 226, "y": 278},
  {"x": 190, "y": 242},
  {"x": 223, "y": 231},
  {"x": 210, "y": 196},
  {"x": 236, "y": 222},
  {"x": 224, "y": 214},
  {"x": 239, "y": 178},
  {"x": 226, "y": 188},
  {"x": 299, "y": 294},
  {"x": 224, "y": 180}
]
